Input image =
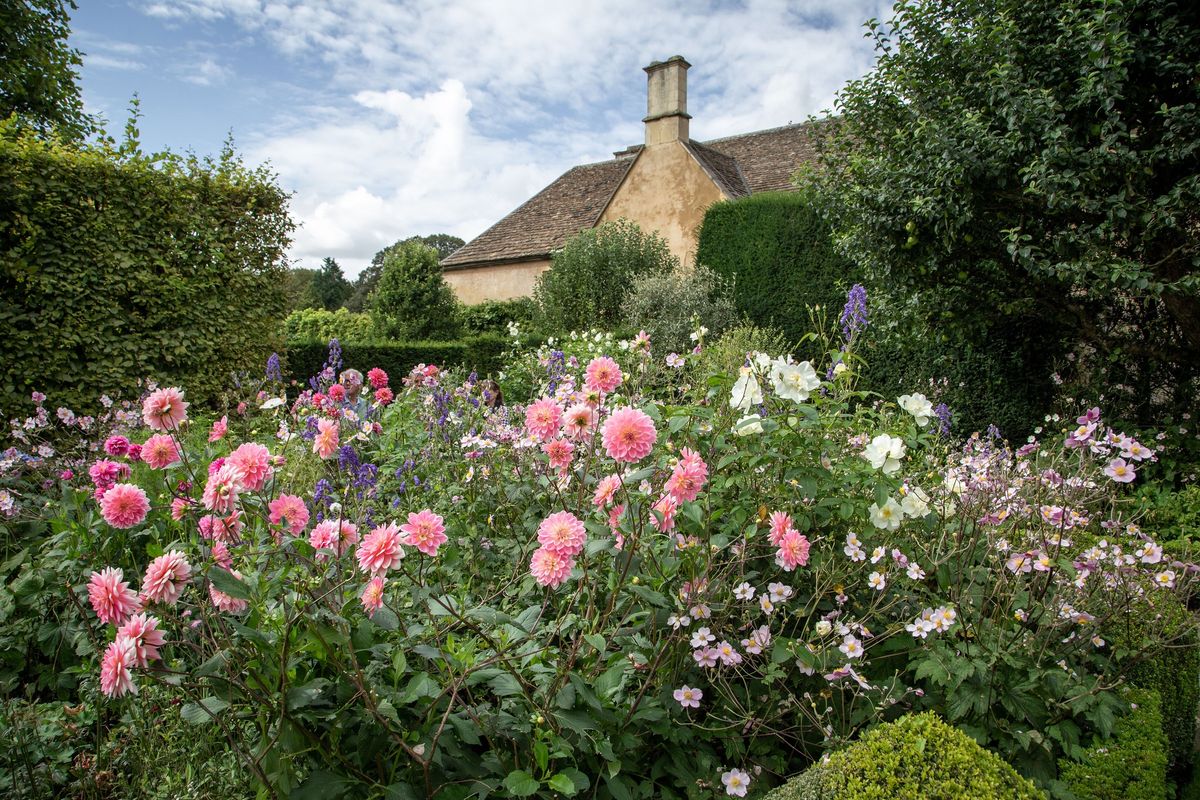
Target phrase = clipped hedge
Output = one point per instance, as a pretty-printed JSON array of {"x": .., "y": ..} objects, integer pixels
[
  {"x": 479, "y": 353},
  {"x": 779, "y": 254},
  {"x": 917, "y": 757},
  {"x": 116, "y": 266},
  {"x": 319, "y": 324},
  {"x": 1132, "y": 764}
]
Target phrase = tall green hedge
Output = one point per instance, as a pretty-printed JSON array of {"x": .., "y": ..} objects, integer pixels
[
  {"x": 116, "y": 266},
  {"x": 479, "y": 353},
  {"x": 780, "y": 256}
]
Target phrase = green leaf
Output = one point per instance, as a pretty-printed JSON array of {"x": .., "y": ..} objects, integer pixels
[
  {"x": 203, "y": 712},
  {"x": 385, "y": 618},
  {"x": 596, "y": 641},
  {"x": 321, "y": 785},
  {"x": 520, "y": 783},
  {"x": 563, "y": 784},
  {"x": 213, "y": 665},
  {"x": 303, "y": 696},
  {"x": 225, "y": 582}
]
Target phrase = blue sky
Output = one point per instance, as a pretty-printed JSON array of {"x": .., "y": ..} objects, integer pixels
[{"x": 389, "y": 118}]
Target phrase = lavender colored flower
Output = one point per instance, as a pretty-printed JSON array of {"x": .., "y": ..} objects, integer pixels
[
  {"x": 942, "y": 412},
  {"x": 274, "y": 369},
  {"x": 854, "y": 315}
]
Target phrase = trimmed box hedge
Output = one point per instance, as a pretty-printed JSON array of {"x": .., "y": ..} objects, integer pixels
[{"x": 479, "y": 353}]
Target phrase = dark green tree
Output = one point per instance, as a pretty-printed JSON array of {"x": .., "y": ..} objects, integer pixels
[
  {"x": 413, "y": 300},
  {"x": 330, "y": 286},
  {"x": 298, "y": 288},
  {"x": 589, "y": 278},
  {"x": 1032, "y": 168},
  {"x": 368, "y": 279},
  {"x": 38, "y": 70}
]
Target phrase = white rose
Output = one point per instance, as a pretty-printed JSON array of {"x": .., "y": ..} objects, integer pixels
[
  {"x": 884, "y": 452},
  {"x": 918, "y": 405},
  {"x": 749, "y": 425},
  {"x": 746, "y": 391},
  {"x": 794, "y": 382},
  {"x": 887, "y": 517}
]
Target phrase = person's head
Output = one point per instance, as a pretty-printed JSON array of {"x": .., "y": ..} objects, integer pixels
[
  {"x": 492, "y": 396},
  {"x": 352, "y": 379}
]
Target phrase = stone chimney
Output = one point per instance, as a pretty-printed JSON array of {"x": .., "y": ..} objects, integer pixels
[{"x": 666, "y": 101}]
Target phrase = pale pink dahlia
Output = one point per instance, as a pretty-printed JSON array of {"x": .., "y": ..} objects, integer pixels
[
  {"x": 550, "y": 568},
  {"x": 253, "y": 464},
  {"x": 164, "y": 409},
  {"x": 116, "y": 677},
  {"x": 179, "y": 508},
  {"x": 562, "y": 533},
  {"x": 793, "y": 550},
  {"x": 606, "y": 490},
  {"x": 165, "y": 578},
  {"x": 142, "y": 630},
  {"x": 425, "y": 531},
  {"x": 335, "y": 535},
  {"x": 372, "y": 596},
  {"x": 221, "y": 490},
  {"x": 219, "y": 429},
  {"x": 688, "y": 477},
  {"x": 325, "y": 444},
  {"x": 628, "y": 435},
  {"x": 559, "y": 453},
  {"x": 781, "y": 523},
  {"x": 224, "y": 602},
  {"x": 124, "y": 505},
  {"x": 290, "y": 512},
  {"x": 111, "y": 597},
  {"x": 160, "y": 451},
  {"x": 603, "y": 375},
  {"x": 580, "y": 420},
  {"x": 666, "y": 507},
  {"x": 543, "y": 418},
  {"x": 381, "y": 549}
]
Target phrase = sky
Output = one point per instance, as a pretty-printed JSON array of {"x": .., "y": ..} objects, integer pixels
[{"x": 392, "y": 118}]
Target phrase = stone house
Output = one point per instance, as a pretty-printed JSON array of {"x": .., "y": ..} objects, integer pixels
[{"x": 664, "y": 185}]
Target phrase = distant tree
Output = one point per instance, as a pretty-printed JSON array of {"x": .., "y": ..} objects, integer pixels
[
  {"x": 298, "y": 288},
  {"x": 412, "y": 300},
  {"x": 330, "y": 285},
  {"x": 38, "y": 70},
  {"x": 368, "y": 279}
]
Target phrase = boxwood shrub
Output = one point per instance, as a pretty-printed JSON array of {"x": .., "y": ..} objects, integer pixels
[
  {"x": 479, "y": 353},
  {"x": 1132, "y": 764}
]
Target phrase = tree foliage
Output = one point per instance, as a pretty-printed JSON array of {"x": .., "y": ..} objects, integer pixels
[
  {"x": 38, "y": 70},
  {"x": 589, "y": 278},
  {"x": 413, "y": 300},
  {"x": 1033, "y": 162},
  {"x": 329, "y": 285},
  {"x": 368, "y": 279},
  {"x": 116, "y": 266}
]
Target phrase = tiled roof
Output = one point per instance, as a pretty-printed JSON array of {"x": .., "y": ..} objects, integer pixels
[
  {"x": 763, "y": 161},
  {"x": 547, "y": 220}
]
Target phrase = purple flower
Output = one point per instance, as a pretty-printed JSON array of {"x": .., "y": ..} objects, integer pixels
[
  {"x": 854, "y": 315},
  {"x": 942, "y": 412},
  {"x": 274, "y": 368}
]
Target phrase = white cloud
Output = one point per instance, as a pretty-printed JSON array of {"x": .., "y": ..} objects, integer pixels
[
  {"x": 110, "y": 62},
  {"x": 453, "y": 113},
  {"x": 206, "y": 72}
]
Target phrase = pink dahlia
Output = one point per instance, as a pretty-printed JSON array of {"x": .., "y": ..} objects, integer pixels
[
  {"x": 628, "y": 435},
  {"x": 221, "y": 491},
  {"x": 224, "y": 602},
  {"x": 179, "y": 508},
  {"x": 381, "y": 550},
  {"x": 603, "y": 375},
  {"x": 425, "y": 532},
  {"x": 562, "y": 533},
  {"x": 124, "y": 505},
  {"x": 220, "y": 554},
  {"x": 793, "y": 551},
  {"x": 580, "y": 420},
  {"x": 384, "y": 396},
  {"x": 219, "y": 429},
  {"x": 666, "y": 507},
  {"x": 164, "y": 409},
  {"x": 165, "y": 578},
  {"x": 337, "y": 392},
  {"x": 688, "y": 477},
  {"x": 335, "y": 535},
  {"x": 543, "y": 418},
  {"x": 116, "y": 446},
  {"x": 781, "y": 523},
  {"x": 372, "y": 596},
  {"x": 135, "y": 452},
  {"x": 253, "y": 464},
  {"x": 160, "y": 451},
  {"x": 111, "y": 597},
  {"x": 377, "y": 378},
  {"x": 559, "y": 452},
  {"x": 290, "y": 512},
  {"x": 606, "y": 490},
  {"x": 549, "y": 567},
  {"x": 142, "y": 630},
  {"x": 116, "y": 677},
  {"x": 105, "y": 473},
  {"x": 326, "y": 442}
]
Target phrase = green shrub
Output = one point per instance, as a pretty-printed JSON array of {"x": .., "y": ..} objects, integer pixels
[
  {"x": 727, "y": 353},
  {"x": 413, "y": 300},
  {"x": 493, "y": 316},
  {"x": 1175, "y": 516},
  {"x": 918, "y": 757},
  {"x": 115, "y": 266},
  {"x": 317, "y": 324},
  {"x": 590, "y": 277},
  {"x": 479, "y": 353},
  {"x": 1132, "y": 765},
  {"x": 669, "y": 306},
  {"x": 779, "y": 255}
]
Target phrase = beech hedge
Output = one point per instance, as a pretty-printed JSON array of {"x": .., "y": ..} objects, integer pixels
[
  {"x": 479, "y": 353},
  {"x": 116, "y": 266}
]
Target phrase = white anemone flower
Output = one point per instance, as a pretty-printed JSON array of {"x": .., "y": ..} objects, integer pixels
[{"x": 888, "y": 516}]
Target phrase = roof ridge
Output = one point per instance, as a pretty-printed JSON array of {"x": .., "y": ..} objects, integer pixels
[{"x": 776, "y": 129}]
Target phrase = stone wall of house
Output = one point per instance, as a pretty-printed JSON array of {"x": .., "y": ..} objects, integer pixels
[
  {"x": 495, "y": 282},
  {"x": 668, "y": 192}
]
